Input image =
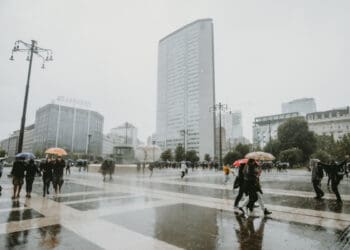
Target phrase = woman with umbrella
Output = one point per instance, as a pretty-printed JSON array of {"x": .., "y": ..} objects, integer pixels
[
  {"x": 46, "y": 169},
  {"x": 57, "y": 174},
  {"x": 31, "y": 171}
]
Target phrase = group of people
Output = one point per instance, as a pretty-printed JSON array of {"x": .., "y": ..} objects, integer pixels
[
  {"x": 335, "y": 172},
  {"x": 51, "y": 170},
  {"x": 248, "y": 183},
  {"x": 107, "y": 167}
]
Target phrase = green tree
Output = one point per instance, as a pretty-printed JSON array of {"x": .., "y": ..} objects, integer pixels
[
  {"x": 294, "y": 133},
  {"x": 207, "y": 157},
  {"x": 321, "y": 155},
  {"x": 343, "y": 147},
  {"x": 243, "y": 149},
  {"x": 292, "y": 155},
  {"x": 192, "y": 156},
  {"x": 273, "y": 147},
  {"x": 39, "y": 154},
  {"x": 167, "y": 155},
  {"x": 179, "y": 153},
  {"x": 2, "y": 153},
  {"x": 231, "y": 157},
  {"x": 326, "y": 143}
]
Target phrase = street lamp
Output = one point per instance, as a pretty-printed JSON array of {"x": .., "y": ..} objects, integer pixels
[
  {"x": 153, "y": 143},
  {"x": 183, "y": 132},
  {"x": 221, "y": 108},
  {"x": 45, "y": 55}
]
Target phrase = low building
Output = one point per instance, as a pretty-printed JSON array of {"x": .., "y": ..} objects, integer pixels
[
  {"x": 265, "y": 128},
  {"x": 335, "y": 122},
  {"x": 107, "y": 146},
  {"x": 303, "y": 106}
]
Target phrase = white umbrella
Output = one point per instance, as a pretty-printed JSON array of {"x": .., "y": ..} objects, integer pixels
[{"x": 260, "y": 156}]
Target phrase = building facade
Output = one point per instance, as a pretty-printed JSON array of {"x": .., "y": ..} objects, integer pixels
[
  {"x": 265, "y": 128},
  {"x": 186, "y": 89},
  {"x": 232, "y": 122},
  {"x": 75, "y": 129},
  {"x": 303, "y": 106},
  {"x": 125, "y": 134},
  {"x": 335, "y": 122}
]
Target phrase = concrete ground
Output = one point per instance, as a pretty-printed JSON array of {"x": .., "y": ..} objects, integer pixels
[{"x": 136, "y": 211}]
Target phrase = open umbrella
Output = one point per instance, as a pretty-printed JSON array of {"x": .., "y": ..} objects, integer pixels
[
  {"x": 260, "y": 156},
  {"x": 25, "y": 155},
  {"x": 56, "y": 151},
  {"x": 242, "y": 161}
]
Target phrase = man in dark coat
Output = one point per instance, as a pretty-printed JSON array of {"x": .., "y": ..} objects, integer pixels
[
  {"x": 17, "y": 173},
  {"x": 251, "y": 183},
  {"x": 31, "y": 171},
  {"x": 57, "y": 174},
  {"x": 316, "y": 177},
  {"x": 46, "y": 168}
]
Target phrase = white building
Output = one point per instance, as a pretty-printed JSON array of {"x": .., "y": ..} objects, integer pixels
[
  {"x": 107, "y": 146},
  {"x": 303, "y": 106},
  {"x": 186, "y": 88},
  {"x": 125, "y": 134},
  {"x": 232, "y": 122},
  {"x": 265, "y": 128},
  {"x": 334, "y": 122}
]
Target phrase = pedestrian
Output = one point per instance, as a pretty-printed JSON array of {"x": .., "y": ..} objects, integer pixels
[
  {"x": 46, "y": 169},
  {"x": 31, "y": 171},
  {"x": 151, "y": 166},
  {"x": 111, "y": 168},
  {"x": 69, "y": 162},
  {"x": 239, "y": 183},
  {"x": 104, "y": 169},
  {"x": 183, "y": 169},
  {"x": 57, "y": 174},
  {"x": 250, "y": 183},
  {"x": 17, "y": 173},
  {"x": 336, "y": 173},
  {"x": 227, "y": 171},
  {"x": 316, "y": 178}
]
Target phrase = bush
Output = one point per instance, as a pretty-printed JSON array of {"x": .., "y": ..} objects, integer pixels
[{"x": 322, "y": 156}]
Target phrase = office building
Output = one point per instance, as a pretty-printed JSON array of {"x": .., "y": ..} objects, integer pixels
[
  {"x": 186, "y": 89},
  {"x": 303, "y": 106},
  {"x": 75, "y": 129}
]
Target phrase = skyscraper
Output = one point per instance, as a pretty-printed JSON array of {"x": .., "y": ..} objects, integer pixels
[
  {"x": 302, "y": 106},
  {"x": 186, "y": 88}
]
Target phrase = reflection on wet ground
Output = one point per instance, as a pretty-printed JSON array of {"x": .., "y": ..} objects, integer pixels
[
  {"x": 84, "y": 206},
  {"x": 195, "y": 227},
  {"x": 193, "y": 213},
  {"x": 50, "y": 237}
]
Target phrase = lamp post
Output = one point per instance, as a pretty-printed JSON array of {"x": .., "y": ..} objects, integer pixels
[
  {"x": 88, "y": 151},
  {"x": 153, "y": 143},
  {"x": 183, "y": 132},
  {"x": 221, "y": 108},
  {"x": 45, "y": 55}
]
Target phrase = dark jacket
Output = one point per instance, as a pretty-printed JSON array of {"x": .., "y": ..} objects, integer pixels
[
  {"x": 58, "y": 168},
  {"x": 46, "y": 168},
  {"x": 31, "y": 170},
  {"x": 317, "y": 172},
  {"x": 18, "y": 169}
]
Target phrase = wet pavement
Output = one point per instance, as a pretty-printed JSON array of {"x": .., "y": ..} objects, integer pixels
[{"x": 136, "y": 211}]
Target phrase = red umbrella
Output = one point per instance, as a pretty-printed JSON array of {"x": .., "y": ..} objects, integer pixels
[{"x": 241, "y": 161}]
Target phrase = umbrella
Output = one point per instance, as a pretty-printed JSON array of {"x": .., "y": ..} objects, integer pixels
[
  {"x": 56, "y": 151},
  {"x": 242, "y": 161},
  {"x": 260, "y": 156},
  {"x": 25, "y": 156}
]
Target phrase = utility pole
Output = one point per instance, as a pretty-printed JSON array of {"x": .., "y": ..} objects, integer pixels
[
  {"x": 30, "y": 49},
  {"x": 221, "y": 108},
  {"x": 183, "y": 133}
]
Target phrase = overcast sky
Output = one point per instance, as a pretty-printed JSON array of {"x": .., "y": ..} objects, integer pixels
[{"x": 105, "y": 51}]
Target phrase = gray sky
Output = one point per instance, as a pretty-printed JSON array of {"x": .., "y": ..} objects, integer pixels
[{"x": 105, "y": 51}]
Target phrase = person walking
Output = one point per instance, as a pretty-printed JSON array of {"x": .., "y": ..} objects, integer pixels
[
  {"x": 227, "y": 171},
  {"x": 69, "y": 162},
  {"x": 111, "y": 168},
  {"x": 17, "y": 173},
  {"x": 250, "y": 183},
  {"x": 151, "y": 167},
  {"x": 104, "y": 169},
  {"x": 183, "y": 169},
  {"x": 31, "y": 171},
  {"x": 316, "y": 178},
  {"x": 46, "y": 169},
  {"x": 57, "y": 174},
  {"x": 239, "y": 183},
  {"x": 336, "y": 173}
]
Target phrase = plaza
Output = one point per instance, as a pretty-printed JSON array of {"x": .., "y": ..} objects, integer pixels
[{"x": 136, "y": 211}]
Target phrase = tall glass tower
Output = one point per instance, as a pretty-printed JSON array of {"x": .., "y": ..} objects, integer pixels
[{"x": 186, "y": 89}]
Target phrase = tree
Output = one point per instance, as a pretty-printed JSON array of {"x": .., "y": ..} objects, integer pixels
[
  {"x": 273, "y": 147},
  {"x": 167, "y": 155},
  {"x": 179, "y": 153},
  {"x": 292, "y": 155},
  {"x": 39, "y": 154},
  {"x": 2, "y": 153},
  {"x": 321, "y": 155},
  {"x": 231, "y": 157},
  {"x": 343, "y": 147},
  {"x": 294, "y": 133},
  {"x": 207, "y": 157},
  {"x": 326, "y": 143},
  {"x": 191, "y": 156},
  {"x": 243, "y": 149}
]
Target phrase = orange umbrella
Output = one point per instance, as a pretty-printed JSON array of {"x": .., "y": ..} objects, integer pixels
[{"x": 56, "y": 151}]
